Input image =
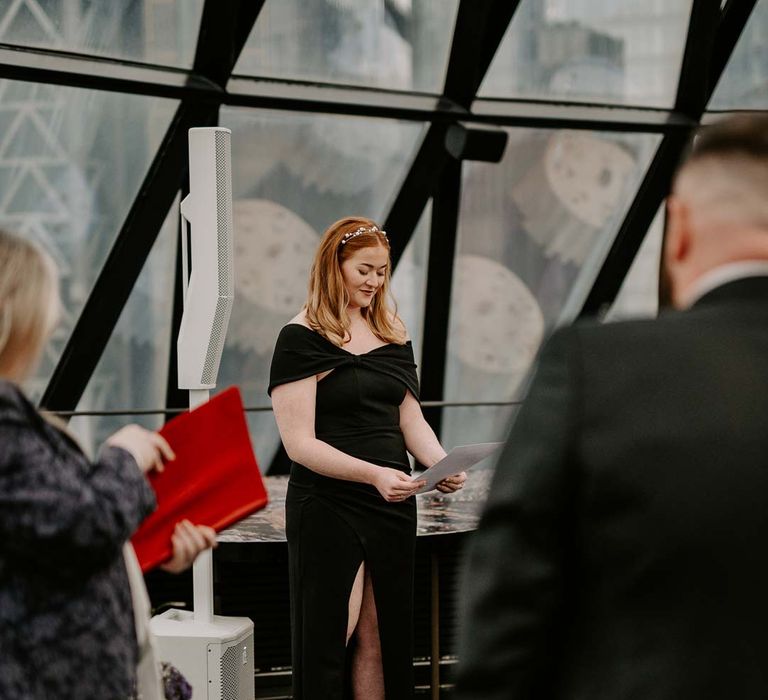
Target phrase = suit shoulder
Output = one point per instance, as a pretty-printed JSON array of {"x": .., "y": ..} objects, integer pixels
[
  {"x": 591, "y": 331},
  {"x": 624, "y": 347}
]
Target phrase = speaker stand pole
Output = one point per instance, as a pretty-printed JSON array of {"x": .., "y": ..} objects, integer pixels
[{"x": 202, "y": 569}]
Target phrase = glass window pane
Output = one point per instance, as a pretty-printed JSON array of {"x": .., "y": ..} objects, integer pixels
[
  {"x": 464, "y": 425},
  {"x": 627, "y": 52},
  {"x": 70, "y": 187},
  {"x": 293, "y": 175},
  {"x": 133, "y": 371},
  {"x": 532, "y": 234},
  {"x": 744, "y": 83},
  {"x": 409, "y": 282},
  {"x": 402, "y": 45},
  {"x": 162, "y": 31},
  {"x": 639, "y": 293}
]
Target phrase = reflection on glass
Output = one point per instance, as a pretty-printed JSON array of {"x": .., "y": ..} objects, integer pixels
[
  {"x": 626, "y": 52},
  {"x": 744, "y": 83},
  {"x": 386, "y": 44},
  {"x": 464, "y": 425},
  {"x": 528, "y": 232},
  {"x": 133, "y": 371},
  {"x": 639, "y": 293},
  {"x": 152, "y": 31},
  {"x": 409, "y": 282},
  {"x": 294, "y": 175},
  {"x": 71, "y": 162}
]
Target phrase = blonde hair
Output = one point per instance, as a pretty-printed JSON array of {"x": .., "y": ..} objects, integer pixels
[
  {"x": 29, "y": 303},
  {"x": 327, "y": 300}
]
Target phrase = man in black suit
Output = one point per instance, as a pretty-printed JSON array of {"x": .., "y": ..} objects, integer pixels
[{"x": 623, "y": 551}]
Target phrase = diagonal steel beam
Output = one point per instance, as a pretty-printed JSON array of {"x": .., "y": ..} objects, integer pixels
[
  {"x": 443, "y": 240},
  {"x": 712, "y": 37},
  {"x": 224, "y": 27},
  {"x": 480, "y": 27}
]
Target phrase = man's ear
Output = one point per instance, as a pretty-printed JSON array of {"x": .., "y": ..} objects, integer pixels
[{"x": 677, "y": 245}]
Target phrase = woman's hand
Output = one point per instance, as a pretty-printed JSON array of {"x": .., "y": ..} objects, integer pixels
[
  {"x": 149, "y": 449},
  {"x": 188, "y": 541},
  {"x": 452, "y": 483},
  {"x": 394, "y": 485}
]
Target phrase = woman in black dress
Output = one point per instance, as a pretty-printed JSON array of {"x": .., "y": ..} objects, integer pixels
[{"x": 345, "y": 393}]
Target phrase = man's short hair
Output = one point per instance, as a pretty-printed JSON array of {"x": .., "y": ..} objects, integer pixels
[
  {"x": 745, "y": 135},
  {"x": 725, "y": 177}
]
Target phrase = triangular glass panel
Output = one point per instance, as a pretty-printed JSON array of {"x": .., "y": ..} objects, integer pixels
[
  {"x": 744, "y": 83},
  {"x": 32, "y": 197},
  {"x": 6, "y": 120},
  {"x": 29, "y": 141},
  {"x": 59, "y": 174},
  {"x": 7, "y": 176},
  {"x": 27, "y": 29}
]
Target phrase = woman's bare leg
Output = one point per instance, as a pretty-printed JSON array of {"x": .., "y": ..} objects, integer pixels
[
  {"x": 355, "y": 601},
  {"x": 367, "y": 670}
]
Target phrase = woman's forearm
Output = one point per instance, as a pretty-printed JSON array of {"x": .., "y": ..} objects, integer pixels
[
  {"x": 320, "y": 457},
  {"x": 422, "y": 443}
]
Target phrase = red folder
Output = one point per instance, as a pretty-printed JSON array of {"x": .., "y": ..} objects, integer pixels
[{"x": 213, "y": 481}]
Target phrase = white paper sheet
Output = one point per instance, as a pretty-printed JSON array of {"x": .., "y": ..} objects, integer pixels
[{"x": 459, "y": 459}]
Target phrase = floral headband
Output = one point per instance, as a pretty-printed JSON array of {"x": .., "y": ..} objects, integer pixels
[{"x": 363, "y": 229}]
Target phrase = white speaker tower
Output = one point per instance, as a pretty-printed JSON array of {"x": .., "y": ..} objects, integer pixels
[
  {"x": 209, "y": 288},
  {"x": 214, "y": 653}
]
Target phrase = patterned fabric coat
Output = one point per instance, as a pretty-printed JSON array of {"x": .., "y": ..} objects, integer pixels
[{"x": 66, "y": 620}]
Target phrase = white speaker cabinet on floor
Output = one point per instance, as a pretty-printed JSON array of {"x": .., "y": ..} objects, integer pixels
[{"x": 216, "y": 657}]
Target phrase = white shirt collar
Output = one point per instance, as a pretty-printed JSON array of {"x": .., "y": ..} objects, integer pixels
[{"x": 723, "y": 274}]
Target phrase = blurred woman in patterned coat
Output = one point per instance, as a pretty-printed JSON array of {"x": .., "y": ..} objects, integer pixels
[{"x": 67, "y": 625}]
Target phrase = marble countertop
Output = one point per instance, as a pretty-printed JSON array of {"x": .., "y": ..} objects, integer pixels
[{"x": 439, "y": 513}]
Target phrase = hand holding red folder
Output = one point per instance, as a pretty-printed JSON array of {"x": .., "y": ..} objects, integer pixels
[{"x": 213, "y": 481}]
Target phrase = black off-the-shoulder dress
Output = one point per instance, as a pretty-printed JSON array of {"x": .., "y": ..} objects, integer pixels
[{"x": 333, "y": 525}]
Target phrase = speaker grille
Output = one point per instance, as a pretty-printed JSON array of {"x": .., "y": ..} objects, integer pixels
[
  {"x": 224, "y": 212},
  {"x": 216, "y": 343},
  {"x": 224, "y": 236},
  {"x": 230, "y": 673}
]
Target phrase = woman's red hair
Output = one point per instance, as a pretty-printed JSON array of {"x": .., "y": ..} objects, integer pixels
[{"x": 327, "y": 300}]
